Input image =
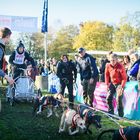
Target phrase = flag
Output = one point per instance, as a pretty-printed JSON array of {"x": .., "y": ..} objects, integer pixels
[{"x": 45, "y": 17}]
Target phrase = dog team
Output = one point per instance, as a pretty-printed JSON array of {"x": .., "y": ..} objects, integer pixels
[
  {"x": 76, "y": 120},
  {"x": 79, "y": 119}
]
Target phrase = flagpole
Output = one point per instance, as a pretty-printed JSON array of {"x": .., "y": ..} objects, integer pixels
[
  {"x": 46, "y": 48},
  {"x": 44, "y": 29}
]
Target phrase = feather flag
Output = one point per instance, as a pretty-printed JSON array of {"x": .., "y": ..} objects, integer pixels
[{"x": 45, "y": 17}]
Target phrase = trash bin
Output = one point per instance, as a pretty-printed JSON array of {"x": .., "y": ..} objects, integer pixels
[{"x": 41, "y": 82}]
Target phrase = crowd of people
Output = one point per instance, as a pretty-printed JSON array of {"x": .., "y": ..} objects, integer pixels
[{"x": 113, "y": 71}]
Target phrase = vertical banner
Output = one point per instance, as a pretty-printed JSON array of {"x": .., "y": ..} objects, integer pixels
[{"x": 44, "y": 27}]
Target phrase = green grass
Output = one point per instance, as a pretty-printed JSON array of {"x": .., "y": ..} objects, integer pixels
[{"x": 18, "y": 123}]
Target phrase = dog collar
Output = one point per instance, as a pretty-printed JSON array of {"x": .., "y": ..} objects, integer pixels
[{"x": 122, "y": 134}]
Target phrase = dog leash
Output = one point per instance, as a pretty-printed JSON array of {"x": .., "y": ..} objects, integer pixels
[
  {"x": 86, "y": 114},
  {"x": 108, "y": 115},
  {"x": 121, "y": 131}
]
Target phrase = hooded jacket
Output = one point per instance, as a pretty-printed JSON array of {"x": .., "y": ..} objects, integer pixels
[{"x": 88, "y": 68}]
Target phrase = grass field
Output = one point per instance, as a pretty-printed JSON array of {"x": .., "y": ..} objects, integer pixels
[{"x": 18, "y": 123}]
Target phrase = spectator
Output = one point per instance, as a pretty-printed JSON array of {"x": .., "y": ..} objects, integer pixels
[
  {"x": 5, "y": 34},
  {"x": 67, "y": 73},
  {"x": 32, "y": 72},
  {"x": 102, "y": 67},
  {"x": 89, "y": 75},
  {"x": 126, "y": 62},
  {"x": 115, "y": 78},
  {"x": 53, "y": 65},
  {"x": 76, "y": 57},
  {"x": 135, "y": 62}
]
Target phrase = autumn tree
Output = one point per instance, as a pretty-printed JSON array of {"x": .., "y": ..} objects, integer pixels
[
  {"x": 9, "y": 48},
  {"x": 123, "y": 38},
  {"x": 127, "y": 33},
  {"x": 94, "y": 36},
  {"x": 34, "y": 44},
  {"x": 63, "y": 41}
]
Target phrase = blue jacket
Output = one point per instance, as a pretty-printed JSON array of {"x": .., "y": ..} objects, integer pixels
[
  {"x": 134, "y": 69},
  {"x": 88, "y": 67}
]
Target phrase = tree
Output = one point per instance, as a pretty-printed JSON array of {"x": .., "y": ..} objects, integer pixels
[
  {"x": 94, "y": 36},
  {"x": 9, "y": 48},
  {"x": 34, "y": 44},
  {"x": 128, "y": 33},
  {"x": 132, "y": 19},
  {"x": 63, "y": 41},
  {"x": 123, "y": 38},
  {"x": 37, "y": 45}
]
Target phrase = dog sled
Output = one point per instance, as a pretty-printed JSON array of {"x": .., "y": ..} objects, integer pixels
[{"x": 23, "y": 89}]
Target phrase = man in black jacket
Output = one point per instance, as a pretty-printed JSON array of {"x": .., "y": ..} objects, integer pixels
[
  {"x": 89, "y": 75},
  {"x": 18, "y": 60},
  {"x": 66, "y": 71}
]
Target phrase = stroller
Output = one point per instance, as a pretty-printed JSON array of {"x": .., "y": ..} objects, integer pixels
[{"x": 22, "y": 90}]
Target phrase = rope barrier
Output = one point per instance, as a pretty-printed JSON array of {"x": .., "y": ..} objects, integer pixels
[{"x": 110, "y": 116}]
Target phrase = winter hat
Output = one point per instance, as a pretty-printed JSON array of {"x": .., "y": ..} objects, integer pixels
[{"x": 20, "y": 44}]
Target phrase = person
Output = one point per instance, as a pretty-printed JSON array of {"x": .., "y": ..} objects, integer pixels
[
  {"x": 102, "y": 67},
  {"x": 67, "y": 73},
  {"x": 89, "y": 75},
  {"x": 115, "y": 79},
  {"x": 31, "y": 72},
  {"x": 126, "y": 62},
  {"x": 5, "y": 34},
  {"x": 53, "y": 65},
  {"x": 133, "y": 71},
  {"x": 19, "y": 58}
]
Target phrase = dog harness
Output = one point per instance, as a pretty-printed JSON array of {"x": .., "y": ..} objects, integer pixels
[
  {"x": 122, "y": 133},
  {"x": 74, "y": 120},
  {"x": 85, "y": 113}
]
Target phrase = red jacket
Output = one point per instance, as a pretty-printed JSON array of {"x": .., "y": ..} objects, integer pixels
[{"x": 115, "y": 74}]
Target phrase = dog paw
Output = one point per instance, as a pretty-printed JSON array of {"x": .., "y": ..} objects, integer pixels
[
  {"x": 38, "y": 112},
  {"x": 49, "y": 115}
]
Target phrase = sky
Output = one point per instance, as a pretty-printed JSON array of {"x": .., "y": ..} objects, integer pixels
[{"x": 66, "y": 12}]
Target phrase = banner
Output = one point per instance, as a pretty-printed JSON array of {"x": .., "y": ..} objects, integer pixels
[
  {"x": 131, "y": 96},
  {"x": 44, "y": 27},
  {"x": 53, "y": 83},
  {"x": 19, "y": 23},
  {"x": 78, "y": 90},
  {"x": 131, "y": 100}
]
